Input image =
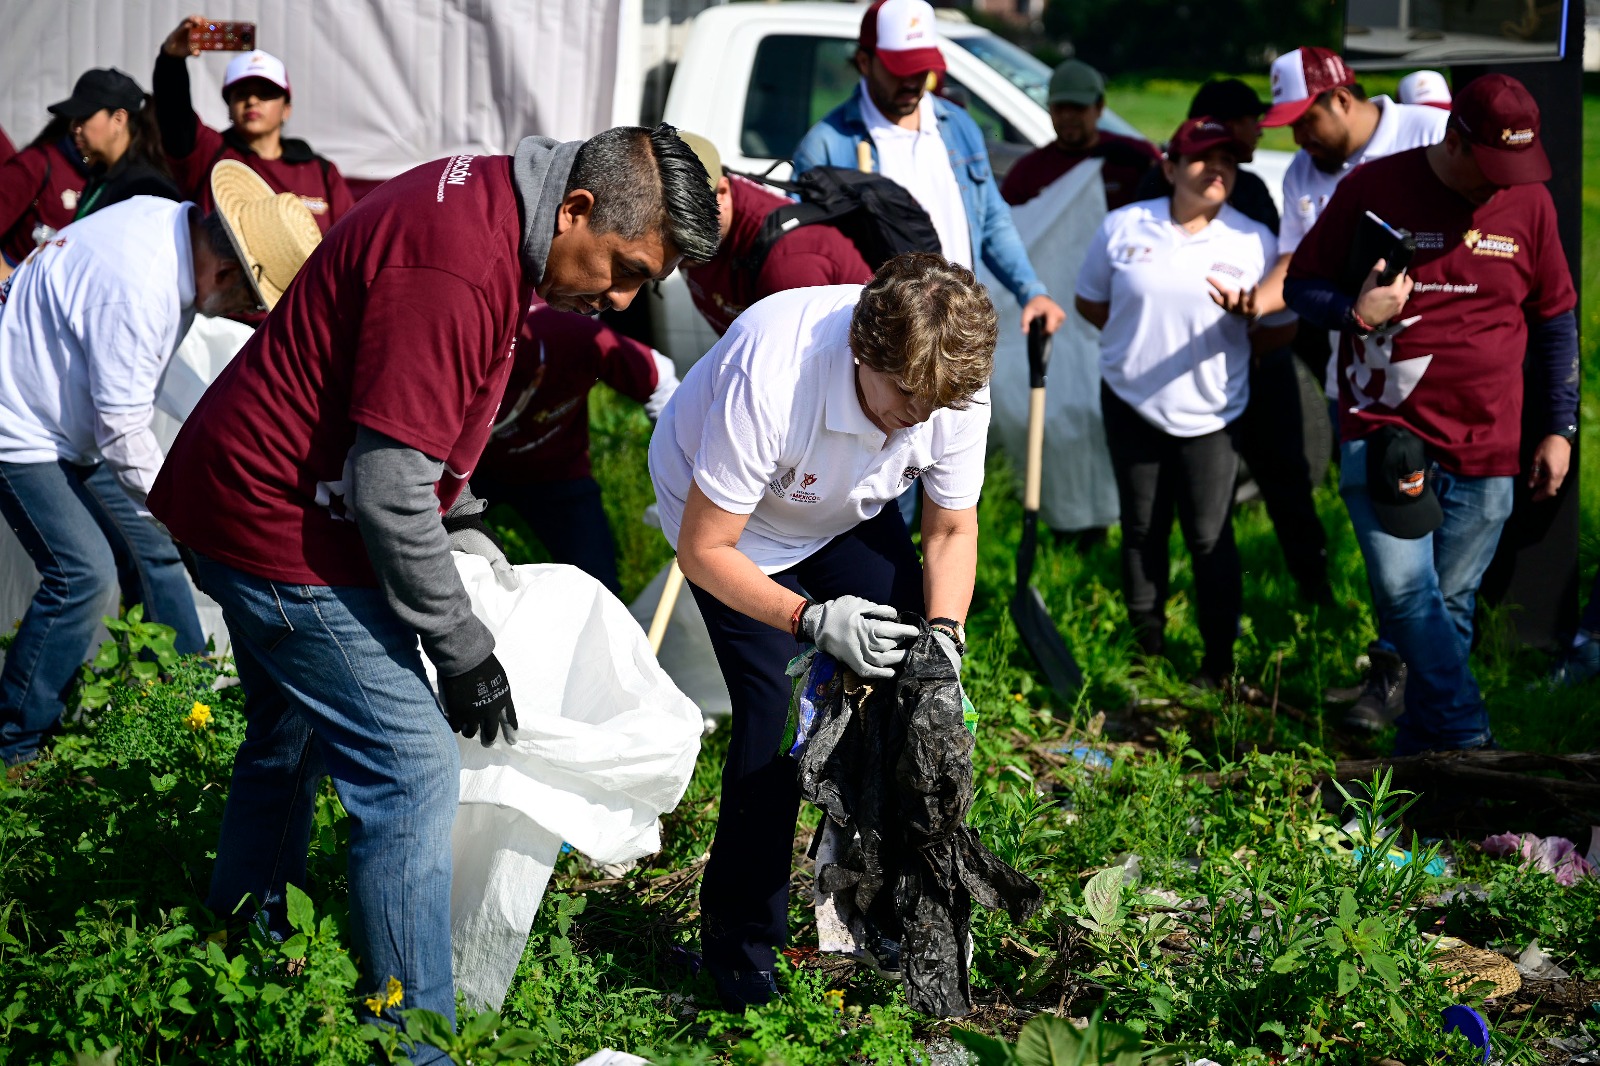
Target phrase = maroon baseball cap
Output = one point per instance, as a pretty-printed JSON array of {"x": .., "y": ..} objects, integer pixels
[
  {"x": 1198, "y": 136},
  {"x": 902, "y": 34},
  {"x": 1497, "y": 116},
  {"x": 1298, "y": 78}
]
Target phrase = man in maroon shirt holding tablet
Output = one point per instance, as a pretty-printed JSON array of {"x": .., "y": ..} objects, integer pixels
[
  {"x": 1431, "y": 378},
  {"x": 310, "y": 480}
]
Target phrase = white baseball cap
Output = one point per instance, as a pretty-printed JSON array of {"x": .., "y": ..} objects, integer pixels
[
  {"x": 1425, "y": 87},
  {"x": 257, "y": 64},
  {"x": 1298, "y": 78},
  {"x": 902, "y": 34}
]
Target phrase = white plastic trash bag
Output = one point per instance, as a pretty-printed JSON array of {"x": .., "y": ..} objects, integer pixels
[
  {"x": 606, "y": 744},
  {"x": 1079, "y": 488}
]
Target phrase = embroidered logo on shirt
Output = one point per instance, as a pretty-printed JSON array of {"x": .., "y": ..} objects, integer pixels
[
  {"x": 911, "y": 473},
  {"x": 1428, "y": 242},
  {"x": 1229, "y": 269},
  {"x": 801, "y": 496},
  {"x": 780, "y": 485},
  {"x": 69, "y": 199},
  {"x": 1491, "y": 244},
  {"x": 1128, "y": 254}
]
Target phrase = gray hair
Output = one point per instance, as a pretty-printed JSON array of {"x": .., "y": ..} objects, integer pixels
[{"x": 649, "y": 181}]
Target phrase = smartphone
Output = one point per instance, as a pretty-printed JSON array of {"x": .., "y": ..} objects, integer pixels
[
  {"x": 1398, "y": 256},
  {"x": 223, "y": 36}
]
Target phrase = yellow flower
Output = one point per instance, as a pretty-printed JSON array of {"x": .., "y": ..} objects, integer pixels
[
  {"x": 199, "y": 716},
  {"x": 389, "y": 997},
  {"x": 835, "y": 999}
]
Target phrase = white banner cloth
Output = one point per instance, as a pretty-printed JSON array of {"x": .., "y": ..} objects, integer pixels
[
  {"x": 1079, "y": 490},
  {"x": 606, "y": 745}
]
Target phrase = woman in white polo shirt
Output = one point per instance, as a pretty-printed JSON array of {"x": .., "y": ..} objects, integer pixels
[
  {"x": 1171, "y": 285},
  {"x": 773, "y": 465}
]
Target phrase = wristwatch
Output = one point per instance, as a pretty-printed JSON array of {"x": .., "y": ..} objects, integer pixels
[
  {"x": 1569, "y": 432},
  {"x": 952, "y": 629}
]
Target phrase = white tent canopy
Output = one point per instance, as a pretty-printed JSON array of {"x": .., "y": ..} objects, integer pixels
[{"x": 379, "y": 85}]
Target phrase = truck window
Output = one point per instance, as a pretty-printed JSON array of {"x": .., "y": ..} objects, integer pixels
[
  {"x": 794, "y": 81},
  {"x": 1005, "y": 142}
]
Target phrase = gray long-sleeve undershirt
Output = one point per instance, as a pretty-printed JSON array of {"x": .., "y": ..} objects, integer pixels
[{"x": 397, "y": 510}]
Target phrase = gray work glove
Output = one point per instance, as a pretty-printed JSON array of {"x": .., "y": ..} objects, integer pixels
[
  {"x": 469, "y": 534},
  {"x": 859, "y": 633}
]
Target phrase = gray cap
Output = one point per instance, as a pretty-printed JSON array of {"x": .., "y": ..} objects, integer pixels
[{"x": 1076, "y": 82}]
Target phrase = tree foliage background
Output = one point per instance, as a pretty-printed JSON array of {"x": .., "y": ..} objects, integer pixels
[{"x": 1118, "y": 36}]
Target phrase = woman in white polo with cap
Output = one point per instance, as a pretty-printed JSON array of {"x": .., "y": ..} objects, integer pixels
[
  {"x": 256, "y": 90},
  {"x": 773, "y": 464},
  {"x": 1170, "y": 283}
]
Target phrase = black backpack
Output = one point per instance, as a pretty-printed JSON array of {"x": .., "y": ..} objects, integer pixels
[{"x": 879, "y": 216}]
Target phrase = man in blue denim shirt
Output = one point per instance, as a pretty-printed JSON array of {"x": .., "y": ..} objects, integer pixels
[{"x": 930, "y": 146}]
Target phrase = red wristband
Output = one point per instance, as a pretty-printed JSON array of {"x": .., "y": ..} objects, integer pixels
[
  {"x": 1361, "y": 323},
  {"x": 794, "y": 619}
]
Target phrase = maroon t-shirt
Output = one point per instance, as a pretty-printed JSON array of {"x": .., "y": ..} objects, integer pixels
[
  {"x": 542, "y": 430},
  {"x": 7, "y": 149},
  {"x": 315, "y": 180},
  {"x": 38, "y": 185},
  {"x": 1126, "y": 160},
  {"x": 808, "y": 255},
  {"x": 404, "y": 320},
  {"x": 1453, "y": 376}
]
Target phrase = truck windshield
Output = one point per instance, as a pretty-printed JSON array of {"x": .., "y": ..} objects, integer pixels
[{"x": 1010, "y": 62}]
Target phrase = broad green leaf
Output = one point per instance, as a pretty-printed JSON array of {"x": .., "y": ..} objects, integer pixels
[
  {"x": 517, "y": 1042},
  {"x": 300, "y": 910},
  {"x": 135, "y": 614},
  {"x": 1347, "y": 907},
  {"x": 294, "y": 947},
  {"x": 1102, "y": 896},
  {"x": 1349, "y": 977},
  {"x": 106, "y": 657},
  {"x": 1385, "y": 967},
  {"x": 428, "y": 1027},
  {"x": 1051, "y": 1041},
  {"x": 1337, "y": 942},
  {"x": 1287, "y": 963}
]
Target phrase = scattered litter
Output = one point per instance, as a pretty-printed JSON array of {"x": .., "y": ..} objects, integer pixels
[
  {"x": 1436, "y": 867},
  {"x": 1533, "y": 962},
  {"x": 1470, "y": 1024},
  {"x": 1089, "y": 757},
  {"x": 1557, "y": 856},
  {"x": 1467, "y": 891},
  {"x": 1132, "y": 867},
  {"x": 1475, "y": 965},
  {"x": 607, "y": 1057}
]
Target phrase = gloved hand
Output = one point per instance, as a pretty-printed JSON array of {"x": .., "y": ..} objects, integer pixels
[
  {"x": 480, "y": 699},
  {"x": 469, "y": 534},
  {"x": 859, "y": 633}
]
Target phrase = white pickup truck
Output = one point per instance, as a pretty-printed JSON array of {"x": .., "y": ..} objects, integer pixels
[{"x": 754, "y": 77}]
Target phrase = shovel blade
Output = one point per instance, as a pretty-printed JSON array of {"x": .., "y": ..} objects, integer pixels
[{"x": 1043, "y": 641}]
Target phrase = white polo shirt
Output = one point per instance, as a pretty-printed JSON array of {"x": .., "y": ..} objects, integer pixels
[
  {"x": 919, "y": 162},
  {"x": 1307, "y": 188},
  {"x": 1167, "y": 349},
  {"x": 768, "y": 424},
  {"x": 87, "y": 330}
]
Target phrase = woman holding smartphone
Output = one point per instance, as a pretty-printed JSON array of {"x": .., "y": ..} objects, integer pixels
[
  {"x": 1170, "y": 283},
  {"x": 256, "y": 89}
]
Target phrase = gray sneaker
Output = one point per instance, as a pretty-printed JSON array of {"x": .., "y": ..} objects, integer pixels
[{"x": 1383, "y": 693}]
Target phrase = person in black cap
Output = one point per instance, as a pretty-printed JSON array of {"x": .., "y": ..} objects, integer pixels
[
  {"x": 1431, "y": 379},
  {"x": 115, "y": 130}
]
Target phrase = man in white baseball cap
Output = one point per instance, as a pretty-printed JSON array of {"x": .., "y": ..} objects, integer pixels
[
  {"x": 1426, "y": 87},
  {"x": 256, "y": 89}
]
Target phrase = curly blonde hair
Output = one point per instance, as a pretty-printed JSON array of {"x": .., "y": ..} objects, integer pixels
[{"x": 928, "y": 323}]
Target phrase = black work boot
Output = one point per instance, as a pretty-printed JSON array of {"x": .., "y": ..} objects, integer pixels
[
  {"x": 1383, "y": 692},
  {"x": 738, "y": 989}
]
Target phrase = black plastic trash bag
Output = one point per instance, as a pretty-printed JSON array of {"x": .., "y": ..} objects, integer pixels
[{"x": 892, "y": 761}]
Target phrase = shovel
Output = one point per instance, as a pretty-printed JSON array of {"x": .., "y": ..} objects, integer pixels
[
  {"x": 664, "y": 607},
  {"x": 1033, "y": 621}
]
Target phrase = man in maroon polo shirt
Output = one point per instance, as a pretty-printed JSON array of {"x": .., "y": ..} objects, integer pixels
[
  {"x": 722, "y": 288},
  {"x": 1430, "y": 373},
  {"x": 310, "y": 482},
  {"x": 537, "y": 458},
  {"x": 1077, "y": 100}
]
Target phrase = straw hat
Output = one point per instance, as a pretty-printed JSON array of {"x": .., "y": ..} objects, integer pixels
[{"x": 272, "y": 232}]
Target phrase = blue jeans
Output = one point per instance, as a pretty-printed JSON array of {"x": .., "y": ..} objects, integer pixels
[
  {"x": 84, "y": 535},
  {"x": 334, "y": 687},
  {"x": 1424, "y": 592}
]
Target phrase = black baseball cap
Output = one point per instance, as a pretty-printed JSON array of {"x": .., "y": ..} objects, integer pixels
[
  {"x": 102, "y": 88},
  {"x": 1225, "y": 99},
  {"x": 1400, "y": 483}
]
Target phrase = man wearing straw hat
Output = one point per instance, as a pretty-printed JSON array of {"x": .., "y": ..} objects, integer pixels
[
  {"x": 87, "y": 328},
  {"x": 310, "y": 483}
]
